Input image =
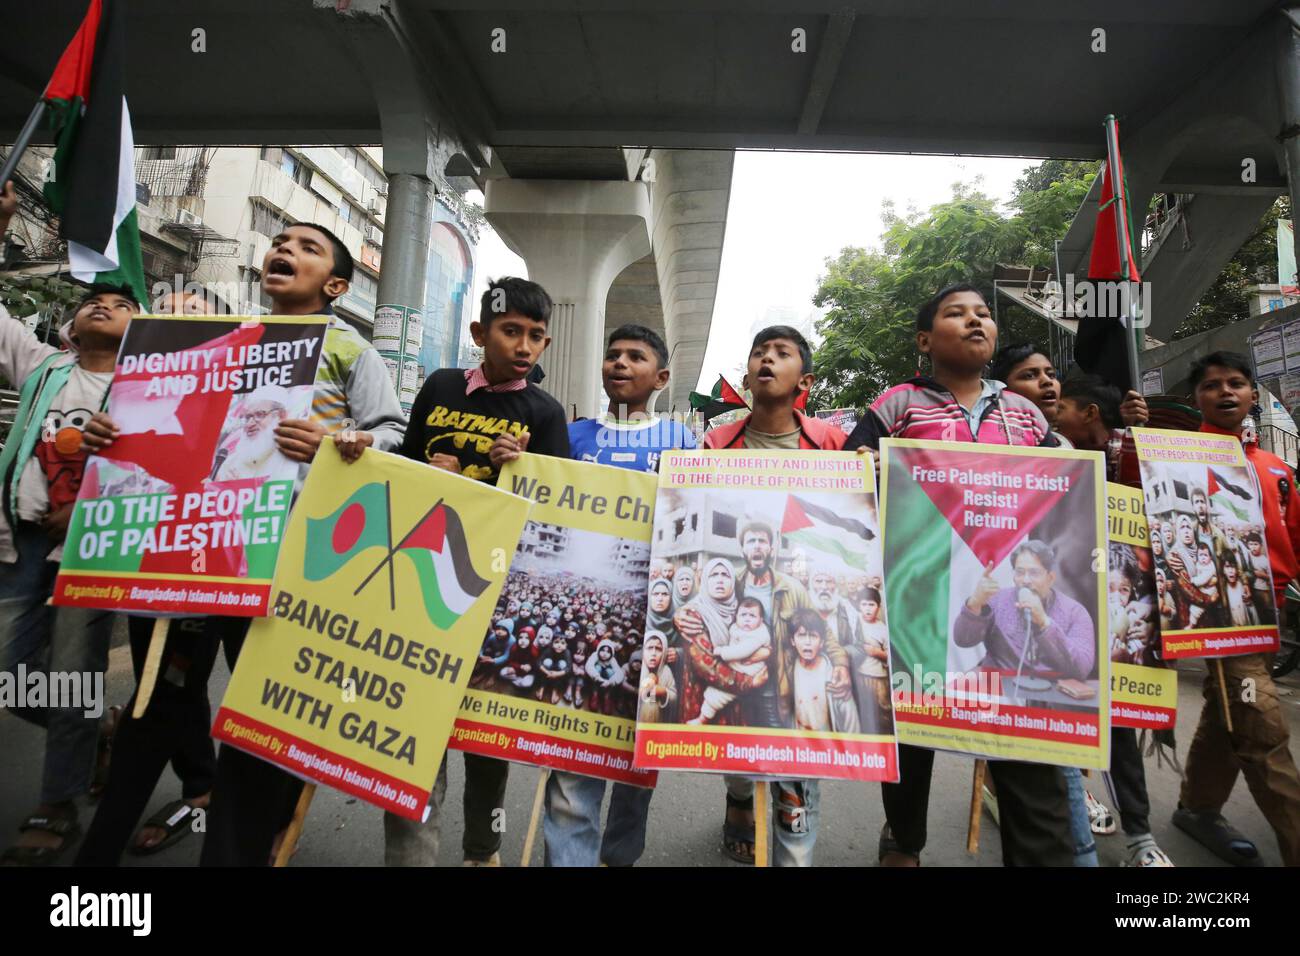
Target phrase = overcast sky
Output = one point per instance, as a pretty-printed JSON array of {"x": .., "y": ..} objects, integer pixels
[{"x": 789, "y": 212}]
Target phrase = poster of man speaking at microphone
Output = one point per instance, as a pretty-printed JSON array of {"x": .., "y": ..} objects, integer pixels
[{"x": 995, "y": 591}]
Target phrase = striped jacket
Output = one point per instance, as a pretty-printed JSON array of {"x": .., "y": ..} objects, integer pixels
[{"x": 924, "y": 409}]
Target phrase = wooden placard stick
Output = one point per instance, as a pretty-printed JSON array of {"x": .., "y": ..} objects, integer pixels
[
  {"x": 761, "y": 823},
  {"x": 1223, "y": 689},
  {"x": 152, "y": 662},
  {"x": 290, "y": 842},
  {"x": 976, "y": 806},
  {"x": 535, "y": 820}
]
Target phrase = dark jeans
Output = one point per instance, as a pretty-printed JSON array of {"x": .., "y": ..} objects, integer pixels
[
  {"x": 53, "y": 640},
  {"x": 252, "y": 800},
  {"x": 1128, "y": 774},
  {"x": 175, "y": 727},
  {"x": 1033, "y": 808}
]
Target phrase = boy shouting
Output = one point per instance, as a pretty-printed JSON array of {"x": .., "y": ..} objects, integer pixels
[
  {"x": 955, "y": 329},
  {"x": 778, "y": 372},
  {"x": 1258, "y": 745}
]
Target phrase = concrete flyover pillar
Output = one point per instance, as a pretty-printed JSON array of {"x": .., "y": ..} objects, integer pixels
[
  {"x": 1287, "y": 66},
  {"x": 399, "y": 312},
  {"x": 576, "y": 237}
]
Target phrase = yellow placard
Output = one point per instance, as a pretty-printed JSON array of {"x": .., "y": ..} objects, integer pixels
[
  {"x": 577, "y": 581},
  {"x": 386, "y": 579}
]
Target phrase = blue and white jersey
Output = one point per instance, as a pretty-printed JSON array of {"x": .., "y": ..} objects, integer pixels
[{"x": 634, "y": 445}]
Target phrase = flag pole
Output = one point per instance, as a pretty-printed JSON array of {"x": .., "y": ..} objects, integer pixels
[
  {"x": 1119, "y": 196},
  {"x": 21, "y": 144}
]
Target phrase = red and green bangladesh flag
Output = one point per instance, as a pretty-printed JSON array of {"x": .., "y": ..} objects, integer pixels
[
  {"x": 357, "y": 524},
  {"x": 93, "y": 183}
]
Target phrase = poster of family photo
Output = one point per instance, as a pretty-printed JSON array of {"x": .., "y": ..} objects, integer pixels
[
  {"x": 1212, "y": 571},
  {"x": 766, "y": 648}
]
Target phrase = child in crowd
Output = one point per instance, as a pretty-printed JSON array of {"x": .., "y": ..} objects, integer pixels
[
  {"x": 520, "y": 667},
  {"x": 1256, "y": 744},
  {"x": 1205, "y": 578},
  {"x": 1236, "y": 594},
  {"x": 745, "y": 638},
  {"x": 606, "y": 676},
  {"x": 41, "y": 468},
  {"x": 658, "y": 694},
  {"x": 471, "y": 422},
  {"x": 554, "y": 666},
  {"x": 876, "y": 713},
  {"x": 956, "y": 332},
  {"x": 814, "y": 707}
]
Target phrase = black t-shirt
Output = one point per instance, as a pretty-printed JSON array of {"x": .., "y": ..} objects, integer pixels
[{"x": 444, "y": 420}]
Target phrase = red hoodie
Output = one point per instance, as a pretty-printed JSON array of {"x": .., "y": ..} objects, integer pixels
[
  {"x": 1276, "y": 481},
  {"x": 813, "y": 433}
]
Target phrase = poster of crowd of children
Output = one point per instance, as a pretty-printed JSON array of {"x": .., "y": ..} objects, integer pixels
[{"x": 556, "y": 679}]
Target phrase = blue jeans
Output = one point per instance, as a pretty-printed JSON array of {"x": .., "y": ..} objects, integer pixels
[
  {"x": 55, "y": 640},
  {"x": 796, "y": 811},
  {"x": 1085, "y": 849},
  {"x": 571, "y": 824}
]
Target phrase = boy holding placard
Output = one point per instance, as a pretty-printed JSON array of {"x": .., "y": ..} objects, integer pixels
[
  {"x": 41, "y": 468},
  {"x": 304, "y": 271},
  {"x": 1257, "y": 745},
  {"x": 634, "y": 369},
  {"x": 956, "y": 330},
  {"x": 778, "y": 373},
  {"x": 1088, "y": 411},
  {"x": 471, "y": 422}
]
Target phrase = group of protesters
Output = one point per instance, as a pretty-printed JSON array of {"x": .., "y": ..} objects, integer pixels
[{"x": 247, "y": 803}]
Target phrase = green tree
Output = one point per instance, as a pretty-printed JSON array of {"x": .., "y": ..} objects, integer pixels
[{"x": 868, "y": 333}]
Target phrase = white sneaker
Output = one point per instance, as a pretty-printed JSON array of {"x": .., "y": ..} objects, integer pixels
[{"x": 1100, "y": 819}]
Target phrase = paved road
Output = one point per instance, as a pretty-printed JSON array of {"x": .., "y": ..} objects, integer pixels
[{"x": 686, "y": 812}]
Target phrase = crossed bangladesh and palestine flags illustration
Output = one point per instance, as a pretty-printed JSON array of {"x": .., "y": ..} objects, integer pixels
[{"x": 435, "y": 545}]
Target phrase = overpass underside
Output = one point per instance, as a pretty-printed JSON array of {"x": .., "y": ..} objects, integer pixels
[{"x": 541, "y": 106}]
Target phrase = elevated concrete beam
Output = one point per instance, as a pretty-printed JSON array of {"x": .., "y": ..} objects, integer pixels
[{"x": 577, "y": 237}]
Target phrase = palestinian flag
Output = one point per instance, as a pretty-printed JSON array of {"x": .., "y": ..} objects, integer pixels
[
  {"x": 359, "y": 523},
  {"x": 934, "y": 555},
  {"x": 437, "y": 548},
  {"x": 821, "y": 529},
  {"x": 93, "y": 187},
  {"x": 722, "y": 399},
  {"x": 1227, "y": 497}
]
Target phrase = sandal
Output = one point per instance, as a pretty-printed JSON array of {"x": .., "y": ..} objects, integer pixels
[
  {"x": 889, "y": 847},
  {"x": 104, "y": 753},
  {"x": 1218, "y": 836},
  {"x": 63, "y": 826},
  {"x": 176, "y": 822},
  {"x": 737, "y": 835}
]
